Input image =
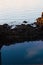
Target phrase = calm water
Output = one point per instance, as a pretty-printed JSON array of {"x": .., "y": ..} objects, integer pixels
[
  {"x": 18, "y": 16},
  {"x": 22, "y": 53}
]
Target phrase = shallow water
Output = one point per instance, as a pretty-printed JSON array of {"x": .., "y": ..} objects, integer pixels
[{"x": 23, "y": 53}]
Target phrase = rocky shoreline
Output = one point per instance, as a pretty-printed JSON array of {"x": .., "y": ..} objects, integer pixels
[{"x": 20, "y": 33}]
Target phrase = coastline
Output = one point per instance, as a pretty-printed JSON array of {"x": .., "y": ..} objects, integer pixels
[{"x": 21, "y": 33}]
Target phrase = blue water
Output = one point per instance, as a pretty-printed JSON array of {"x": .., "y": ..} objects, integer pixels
[{"x": 23, "y": 53}]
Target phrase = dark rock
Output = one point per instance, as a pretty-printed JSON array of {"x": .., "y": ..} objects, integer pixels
[
  {"x": 24, "y": 21},
  {"x": 20, "y": 33}
]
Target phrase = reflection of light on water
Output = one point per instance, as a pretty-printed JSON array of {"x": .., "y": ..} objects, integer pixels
[
  {"x": 27, "y": 52},
  {"x": 35, "y": 49},
  {"x": 31, "y": 53}
]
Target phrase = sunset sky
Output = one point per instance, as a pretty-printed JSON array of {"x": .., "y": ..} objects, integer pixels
[
  {"x": 20, "y": 4},
  {"x": 20, "y": 9}
]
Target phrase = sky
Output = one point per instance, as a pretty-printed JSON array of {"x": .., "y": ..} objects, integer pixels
[
  {"x": 21, "y": 4},
  {"x": 20, "y": 9}
]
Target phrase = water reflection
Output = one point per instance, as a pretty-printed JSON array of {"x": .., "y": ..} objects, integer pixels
[
  {"x": 23, "y": 53},
  {"x": 0, "y": 57}
]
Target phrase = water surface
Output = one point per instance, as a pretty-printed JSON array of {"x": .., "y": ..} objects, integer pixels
[
  {"x": 23, "y": 53},
  {"x": 18, "y": 16}
]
